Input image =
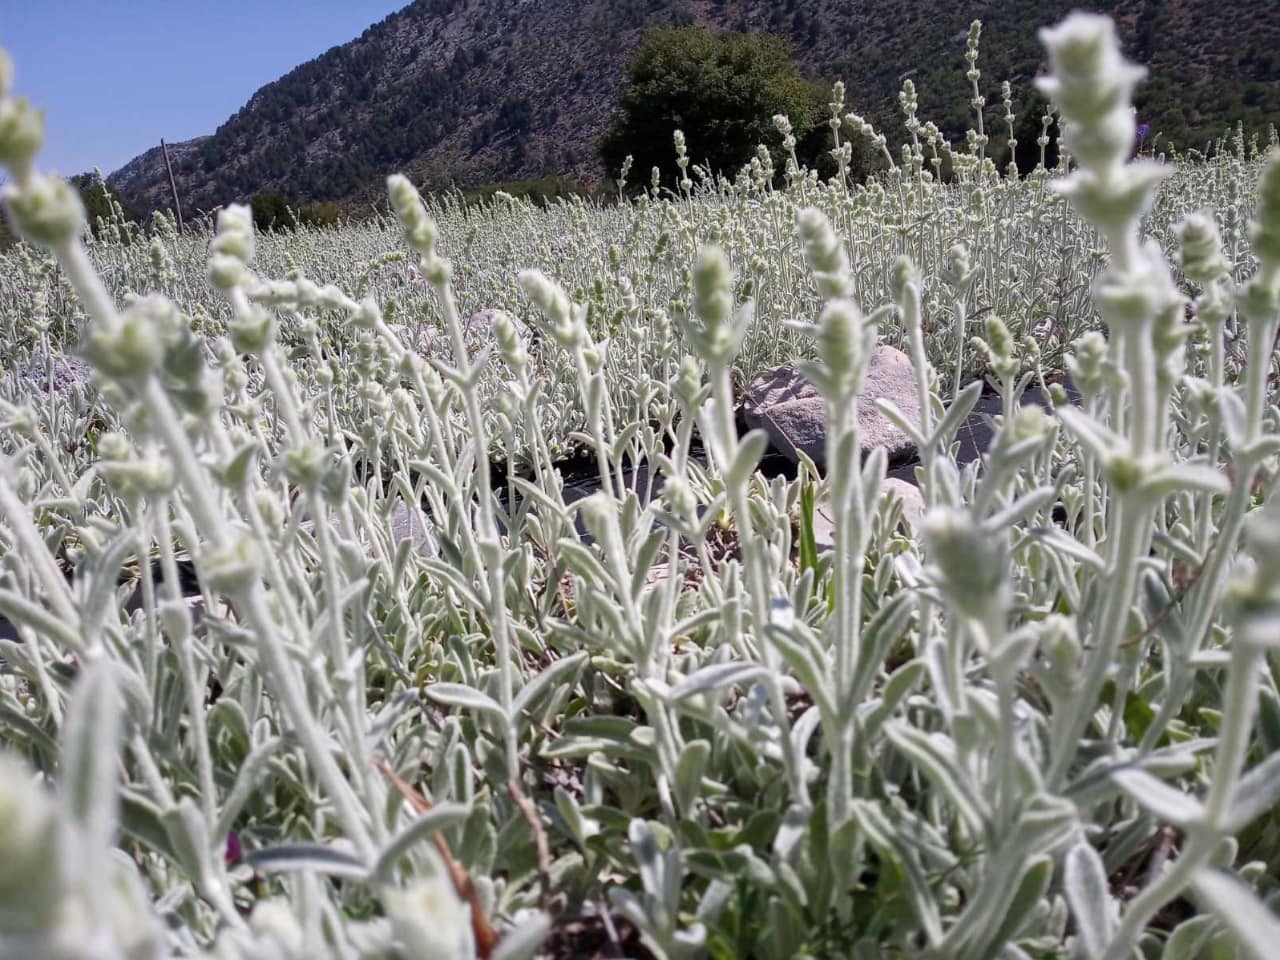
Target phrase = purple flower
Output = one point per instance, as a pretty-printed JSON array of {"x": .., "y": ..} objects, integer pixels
[
  {"x": 234, "y": 850},
  {"x": 1144, "y": 130}
]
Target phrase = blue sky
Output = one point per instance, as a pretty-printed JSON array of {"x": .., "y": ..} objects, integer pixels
[{"x": 114, "y": 76}]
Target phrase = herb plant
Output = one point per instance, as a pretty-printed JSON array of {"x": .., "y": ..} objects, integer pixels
[{"x": 294, "y": 672}]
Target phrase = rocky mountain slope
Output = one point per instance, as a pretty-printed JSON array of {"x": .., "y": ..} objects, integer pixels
[{"x": 469, "y": 92}]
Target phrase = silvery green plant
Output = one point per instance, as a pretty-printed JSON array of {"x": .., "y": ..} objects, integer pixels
[{"x": 297, "y": 673}]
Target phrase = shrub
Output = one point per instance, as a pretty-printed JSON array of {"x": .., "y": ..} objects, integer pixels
[{"x": 720, "y": 89}]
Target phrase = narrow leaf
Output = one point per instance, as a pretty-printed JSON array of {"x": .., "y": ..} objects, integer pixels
[
  {"x": 440, "y": 817},
  {"x": 716, "y": 676},
  {"x": 467, "y": 698},
  {"x": 307, "y": 857},
  {"x": 1168, "y": 803},
  {"x": 1256, "y": 927},
  {"x": 1085, "y": 885}
]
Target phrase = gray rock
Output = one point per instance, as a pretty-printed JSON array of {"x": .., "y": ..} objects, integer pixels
[
  {"x": 480, "y": 326},
  {"x": 912, "y": 501},
  {"x": 824, "y": 526},
  {"x": 788, "y": 407},
  {"x": 56, "y": 375},
  {"x": 405, "y": 522},
  {"x": 409, "y": 524}
]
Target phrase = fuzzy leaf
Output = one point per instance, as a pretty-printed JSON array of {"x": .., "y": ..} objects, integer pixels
[
  {"x": 1168, "y": 803},
  {"x": 440, "y": 817},
  {"x": 1256, "y": 927},
  {"x": 715, "y": 677},
  {"x": 307, "y": 858},
  {"x": 1084, "y": 882},
  {"x": 467, "y": 698}
]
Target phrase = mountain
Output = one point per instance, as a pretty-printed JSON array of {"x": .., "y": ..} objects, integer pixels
[{"x": 470, "y": 92}]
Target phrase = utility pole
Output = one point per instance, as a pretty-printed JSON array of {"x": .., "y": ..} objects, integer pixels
[{"x": 173, "y": 184}]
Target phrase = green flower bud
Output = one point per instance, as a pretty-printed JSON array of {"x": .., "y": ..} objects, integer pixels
[
  {"x": 1086, "y": 364},
  {"x": 824, "y": 254},
  {"x": 419, "y": 230},
  {"x": 31, "y": 877},
  {"x": 234, "y": 236},
  {"x": 1200, "y": 249},
  {"x": 904, "y": 273},
  {"x": 6, "y": 74},
  {"x": 1029, "y": 422},
  {"x": 1125, "y": 473},
  {"x": 509, "y": 345},
  {"x": 131, "y": 350},
  {"x": 232, "y": 568},
  {"x": 688, "y": 385},
  {"x": 21, "y": 132},
  {"x": 1252, "y": 601},
  {"x": 973, "y": 564},
  {"x": 1265, "y": 229},
  {"x": 553, "y": 303},
  {"x": 712, "y": 288},
  {"x": 368, "y": 315},
  {"x": 843, "y": 348},
  {"x": 679, "y": 500},
  {"x": 130, "y": 475},
  {"x": 253, "y": 333},
  {"x": 305, "y": 464},
  {"x": 1259, "y": 299},
  {"x": 957, "y": 270},
  {"x": 1061, "y": 646},
  {"x": 47, "y": 211}
]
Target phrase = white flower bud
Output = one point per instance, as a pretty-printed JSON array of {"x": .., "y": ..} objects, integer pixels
[
  {"x": 254, "y": 332},
  {"x": 430, "y": 920},
  {"x": 957, "y": 270},
  {"x": 274, "y": 920}
]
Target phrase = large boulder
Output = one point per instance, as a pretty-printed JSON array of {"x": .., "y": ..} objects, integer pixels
[{"x": 789, "y": 408}]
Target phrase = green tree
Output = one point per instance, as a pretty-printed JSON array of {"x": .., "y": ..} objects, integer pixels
[
  {"x": 271, "y": 211},
  {"x": 721, "y": 89},
  {"x": 101, "y": 201},
  {"x": 320, "y": 213}
]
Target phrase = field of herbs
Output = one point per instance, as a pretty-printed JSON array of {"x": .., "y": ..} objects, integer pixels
[{"x": 312, "y": 652}]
